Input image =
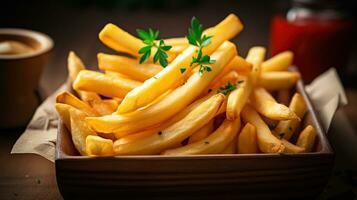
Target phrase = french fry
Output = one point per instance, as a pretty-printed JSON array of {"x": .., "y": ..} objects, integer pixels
[
  {"x": 79, "y": 130},
  {"x": 202, "y": 133},
  {"x": 307, "y": 138},
  {"x": 169, "y": 105},
  {"x": 231, "y": 148},
  {"x": 230, "y": 77},
  {"x": 111, "y": 103},
  {"x": 116, "y": 74},
  {"x": 278, "y": 80},
  {"x": 270, "y": 122},
  {"x": 70, "y": 99},
  {"x": 240, "y": 65},
  {"x": 103, "y": 84},
  {"x": 128, "y": 66},
  {"x": 63, "y": 112},
  {"x": 178, "y": 44},
  {"x": 121, "y": 41},
  {"x": 124, "y": 137},
  {"x": 178, "y": 49},
  {"x": 266, "y": 105},
  {"x": 214, "y": 143},
  {"x": 176, "y": 41},
  {"x": 291, "y": 148},
  {"x": 286, "y": 128},
  {"x": 279, "y": 62},
  {"x": 98, "y": 146},
  {"x": 137, "y": 136},
  {"x": 174, "y": 134},
  {"x": 75, "y": 65},
  {"x": 238, "y": 97},
  {"x": 169, "y": 76},
  {"x": 247, "y": 140},
  {"x": 267, "y": 142}
]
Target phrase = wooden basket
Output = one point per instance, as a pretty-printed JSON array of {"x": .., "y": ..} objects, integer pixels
[{"x": 230, "y": 176}]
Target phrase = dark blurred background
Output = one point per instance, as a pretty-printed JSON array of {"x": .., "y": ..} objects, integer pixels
[{"x": 74, "y": 25}]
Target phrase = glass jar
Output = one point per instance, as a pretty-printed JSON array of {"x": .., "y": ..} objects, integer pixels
[{"x": 317, "y": 31}]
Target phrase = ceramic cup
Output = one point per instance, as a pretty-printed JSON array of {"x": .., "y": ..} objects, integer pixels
[{"x": 20, "y": 75}]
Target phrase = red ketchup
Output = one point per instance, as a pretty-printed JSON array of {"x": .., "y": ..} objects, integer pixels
[{"x": 318, "y": 34}]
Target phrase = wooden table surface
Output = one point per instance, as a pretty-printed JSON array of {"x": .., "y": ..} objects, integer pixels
[{"x": 76, "y": 28}]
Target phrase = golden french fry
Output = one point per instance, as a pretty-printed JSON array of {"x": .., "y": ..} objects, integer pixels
[
  {"x": 231, "y": 148},
  {"x": 70, "y": 99},
  {"x": 169, "y": 105},
  {"x": 240, "y": 65},
  {"x": 279, "y": 62},
  {"x": 128, "y": 66},
  {"x": 178, "y": 44},
  {"x": 172, "y": 74},
  {"x": 267, "y": 142},
  {"x": 247, "y": 140},
  {"x": 121, "y": 41},
  {"x": 286, "y": 128},
  {"x": 291, "y": 148},
  {"x": 79, "y": 130},
  {"x": 137, "y": 136},
  {"x": 176, "y": 41},
  {"x": 175, "y": 133},
  {"x": 307, "y": 138},
  {"x": 105, "y": 107},
  {"x": 63, "y": 112},
  {"x": 103, "y": 84},
  {"x": 278, "y": 80},
  {"x": 178, "y": 49},
  {"x": 177, "y": 117},
  {"x": 116, "y": 74},
  {"x": 202, "y": 133},
  {"x": 230, "y": 77},
  {"x": 214, "y": 143},
  {"x": 98, "y": 146},
  {"x": 111, "y": 103},
  {"x": 75, "y": 65},
  {"x": 266, "y": 105},
  {"x": 270, "y": 122},
  {"x": 238, "y": 98}
]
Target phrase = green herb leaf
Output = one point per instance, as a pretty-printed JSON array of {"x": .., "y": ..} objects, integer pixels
[
  {"x": 149, "y": 40},
  {"x": 182, "y": 70},
  {"x": 196, "y": 38},
  {"x": 229, "y": 87},
  {"x": 145, "y": 57}
]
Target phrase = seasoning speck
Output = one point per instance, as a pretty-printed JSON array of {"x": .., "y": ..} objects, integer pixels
[
  {"x": 38, "y": 181},
  {"x": 209, "y": 90},
  {"x": 206, "y": 142},
  {"x": 281, "y": 135},
  {"x": 159, "y": 133}
]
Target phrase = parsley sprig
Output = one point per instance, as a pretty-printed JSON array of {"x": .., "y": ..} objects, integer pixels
[
  {"x": 196, "y": 38},
  {"x": 229, "y": 87},
  {"x": 149, "y": 38}
]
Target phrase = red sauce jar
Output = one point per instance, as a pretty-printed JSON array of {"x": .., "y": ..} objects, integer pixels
[{"x": 317, "y": 31}]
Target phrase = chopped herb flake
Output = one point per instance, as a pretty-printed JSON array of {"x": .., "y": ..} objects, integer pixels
[
  {"x": 229, "y": 87},
  {"x": 182, "y": 70}
]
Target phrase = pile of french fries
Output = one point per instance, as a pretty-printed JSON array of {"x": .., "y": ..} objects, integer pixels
[{"x": 144, "y": 109}]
